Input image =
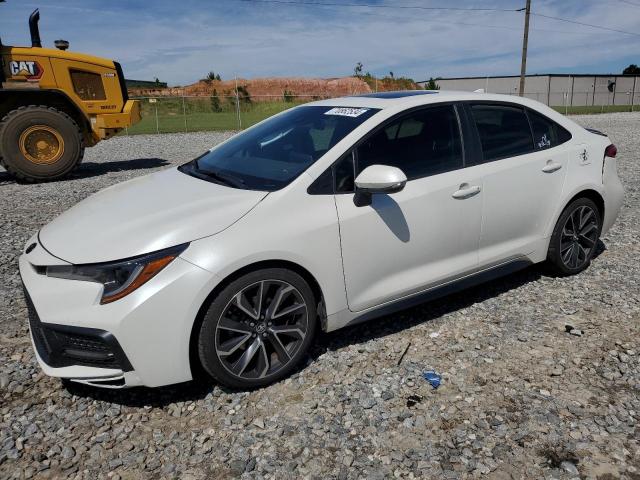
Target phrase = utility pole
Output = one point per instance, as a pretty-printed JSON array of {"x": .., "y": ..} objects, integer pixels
[{"x": 525, "y": 41}]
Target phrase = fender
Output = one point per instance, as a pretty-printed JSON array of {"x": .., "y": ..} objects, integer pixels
[
  {"x": 16, "y": 97},
  {"x": 566, "y": 199}
]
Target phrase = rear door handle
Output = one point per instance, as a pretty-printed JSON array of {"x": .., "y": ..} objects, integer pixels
[
  {"x": 551, "y": 167},
  {"x": 466, "y": 191}
]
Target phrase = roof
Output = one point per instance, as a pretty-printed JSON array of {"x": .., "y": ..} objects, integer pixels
[
  {"x": 398, "y": 94},
  {"x": 398, "y": 99}
]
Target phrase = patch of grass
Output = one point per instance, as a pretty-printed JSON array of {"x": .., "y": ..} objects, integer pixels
[{"x": 196, "y": 115}]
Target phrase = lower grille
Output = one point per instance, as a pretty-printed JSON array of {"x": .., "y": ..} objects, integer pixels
[{"x": 63, "y": 346}]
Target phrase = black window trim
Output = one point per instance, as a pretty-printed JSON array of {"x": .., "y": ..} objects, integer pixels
[
  {"x": 526, "y": 110},
  {"x": 353, "y": 150},
  {"x": 523, "y": 108}
]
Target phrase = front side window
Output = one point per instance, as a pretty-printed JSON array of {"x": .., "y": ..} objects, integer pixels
[
  {"x": 272, "y": 154},
  {"x": 88, "y": 85},
  {"x": 504, "y": 131},
  {"x": 546, "y": 132},
  {"x": 423, "y": 143}
]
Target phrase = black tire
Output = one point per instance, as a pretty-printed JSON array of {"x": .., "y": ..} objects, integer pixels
[
  {"x": 276, "y": 341},
  {"x": 572, "y": 245},
  {"x": 18, "y": 121}
]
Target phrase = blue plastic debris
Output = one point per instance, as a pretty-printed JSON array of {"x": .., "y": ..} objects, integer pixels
[{"x": 433, "y": 378}]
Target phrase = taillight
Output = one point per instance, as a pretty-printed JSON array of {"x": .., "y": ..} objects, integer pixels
[{"x": 611, "y": 151}]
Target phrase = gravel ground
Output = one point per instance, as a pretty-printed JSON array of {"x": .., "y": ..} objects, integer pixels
[{"x": 521, "y": 397}]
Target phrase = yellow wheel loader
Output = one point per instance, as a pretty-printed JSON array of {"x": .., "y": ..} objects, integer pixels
[{"x": 54, "y": 103}]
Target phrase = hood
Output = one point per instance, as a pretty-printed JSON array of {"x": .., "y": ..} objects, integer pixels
[{"x": 144, "y": 215}]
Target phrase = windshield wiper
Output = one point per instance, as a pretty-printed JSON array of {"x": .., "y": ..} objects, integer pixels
[{"x": 218, "y": 177}]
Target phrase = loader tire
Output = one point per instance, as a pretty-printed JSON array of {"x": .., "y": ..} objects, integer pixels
[{"x": 40, "y": 143}]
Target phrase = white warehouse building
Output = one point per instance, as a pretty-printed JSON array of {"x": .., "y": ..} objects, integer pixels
[{"x": 557, "y": 89}]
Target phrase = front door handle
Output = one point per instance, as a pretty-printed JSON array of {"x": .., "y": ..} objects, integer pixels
[
  {"x": 551, "y": 167},
  {"x": 466, "y": 191}
]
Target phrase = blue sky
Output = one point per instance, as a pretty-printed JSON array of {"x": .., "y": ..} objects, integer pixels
[{"x": 179, "y": 41}]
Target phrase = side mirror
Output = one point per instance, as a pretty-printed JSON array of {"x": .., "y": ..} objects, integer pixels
[{"x": 377, "y": 179}]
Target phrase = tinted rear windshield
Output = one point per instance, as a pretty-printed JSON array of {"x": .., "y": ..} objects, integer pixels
[{"x": 269, "y": 156}]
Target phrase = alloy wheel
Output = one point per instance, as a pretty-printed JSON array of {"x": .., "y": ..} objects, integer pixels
[
  {"x": 261, "y": 329},
  {"x": 579, "y": 237}
]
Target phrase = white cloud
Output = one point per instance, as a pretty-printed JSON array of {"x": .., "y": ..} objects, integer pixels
[{"x": 181, "y": 42}]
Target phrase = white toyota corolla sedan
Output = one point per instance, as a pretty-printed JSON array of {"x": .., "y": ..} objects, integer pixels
[{"x": 323, "y": 216}]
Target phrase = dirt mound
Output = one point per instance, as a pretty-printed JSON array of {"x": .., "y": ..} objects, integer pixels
[{"x": 266, "y": 87}]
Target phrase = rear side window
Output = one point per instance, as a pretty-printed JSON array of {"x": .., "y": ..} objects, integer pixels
[
  {"x": 87, "y": 85},
  {"x": 504, "y": 131},
  {"x": 422, "y": 143},
  {"x": 546, "y": 132}
]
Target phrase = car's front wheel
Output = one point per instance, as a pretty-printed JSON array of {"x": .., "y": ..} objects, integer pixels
[
  {"x": 258, "y": 328},
  {"x": 575, "y": 237}
]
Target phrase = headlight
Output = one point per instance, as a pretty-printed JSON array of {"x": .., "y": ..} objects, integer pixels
[{"x": 122, "y": 277}]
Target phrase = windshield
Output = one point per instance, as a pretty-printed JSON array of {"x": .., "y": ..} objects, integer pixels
[{"x": 269, "y": 156}]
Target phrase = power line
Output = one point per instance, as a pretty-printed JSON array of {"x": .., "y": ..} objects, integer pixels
[
  {"x": 469, "y": 24},
  {"x": 367, "y": 5},
  {"x": 630, "y": 3},
  {"x": 585, "y": 24},
  {"x": 419, "y": 7}
]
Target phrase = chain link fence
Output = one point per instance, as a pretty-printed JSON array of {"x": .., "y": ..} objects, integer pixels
[
  {"x": 217, "y": 112},
  {"x": 170, "y": 114},
  {"x": 569, "y": 94}
]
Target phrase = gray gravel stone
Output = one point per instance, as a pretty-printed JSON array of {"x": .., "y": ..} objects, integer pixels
[{"x": 345, "y": 414}]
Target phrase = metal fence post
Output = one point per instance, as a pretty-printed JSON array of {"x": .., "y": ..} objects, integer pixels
[
  {"x": 238, "y": 106},
  {"x": 184, "y": 113},
  {"x": 157, "y": 122}
]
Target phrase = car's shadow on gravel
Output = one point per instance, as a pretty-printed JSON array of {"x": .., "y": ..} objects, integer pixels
[
  {"x": 96, "y": 169},
  {"x": 425, "y": 312},
  {"x": 431, "y": 310},
  {"x": 356, "y": 334},
  {"x": 142, "y": 396}
]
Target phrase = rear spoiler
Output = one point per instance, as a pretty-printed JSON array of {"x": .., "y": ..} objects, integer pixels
[{"x": 597, "y": 132}]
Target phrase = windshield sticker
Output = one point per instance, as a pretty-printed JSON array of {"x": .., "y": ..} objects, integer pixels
[{"x": 346, "y": 111}]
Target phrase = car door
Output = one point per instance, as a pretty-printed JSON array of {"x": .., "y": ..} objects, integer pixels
[
  {"x": 422, "y": 236},
  {"x": 524, "y": 166}
]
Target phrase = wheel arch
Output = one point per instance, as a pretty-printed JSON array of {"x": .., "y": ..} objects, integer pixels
[
  {"x": 15, "y": 98},
  {"x": 590, "y": 193},
  {"x": 194, "y": 361}
]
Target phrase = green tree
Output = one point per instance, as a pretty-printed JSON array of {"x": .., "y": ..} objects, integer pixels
[
  {"x": 243, "y": 94},
  {"x": 431, "y": 84},
  {"x": 632, "y": 69},
  {"x": 357, "y": 71},
  {"x": 215, "y": 102},
  {"x": 288, "y": 96}
]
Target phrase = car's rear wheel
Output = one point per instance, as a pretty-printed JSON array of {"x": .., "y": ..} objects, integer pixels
[
  {"x": 575, "y": 237},
  {"x": 258, "y": 328}
]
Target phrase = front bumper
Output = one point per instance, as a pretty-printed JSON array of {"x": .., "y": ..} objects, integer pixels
[
  {"x": 63, "y": 346},
  {"x": 141, "y": 339}
]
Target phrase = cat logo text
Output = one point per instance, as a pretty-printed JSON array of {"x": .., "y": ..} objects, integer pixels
[{"x": 29, "y": 69}]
